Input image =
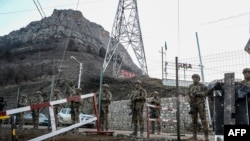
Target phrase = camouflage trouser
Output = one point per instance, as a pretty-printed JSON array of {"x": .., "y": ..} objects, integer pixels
[
  {"x": 35, "y": 118},
  {"x": 56, "y": 111},
  {"x": 21, "y": 119},
  {"x": 156, "y": 115},
  {"x": 138, "y": 117},
  {"x": 104, "y": 117},
  {"x": 75, "y": 115},
  {"x": 202, "y": 113}
]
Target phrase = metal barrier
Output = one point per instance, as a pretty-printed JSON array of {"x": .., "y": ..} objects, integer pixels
[
  {"x": 51, "y": 112},
  {"x": 159, "y": 119}
]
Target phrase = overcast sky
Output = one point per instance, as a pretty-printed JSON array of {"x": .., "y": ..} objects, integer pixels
[{"x": 221, "y": 25}]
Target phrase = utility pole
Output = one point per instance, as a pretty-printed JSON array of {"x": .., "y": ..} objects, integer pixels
[
  {"x": 203, "y": 80},
  {"x": 80, "y": 71},
  {"x": 166, "y": 63},
  {"x": 162, "y": 63}
]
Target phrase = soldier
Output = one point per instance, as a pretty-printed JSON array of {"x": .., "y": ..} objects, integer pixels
[
  {"x": 23, "y": 102},
  {"x": 197, "y": 93},
  {"x": 243, "y": 99},
  {"x": 156, "y": 112},
  {"x": 76, "y": 107},
  {"x": 35, "y": 112},
  {"x": 138, "y": 98},
  {"x": 106, "y": 98},
  {"x": 57, "y": 108}
]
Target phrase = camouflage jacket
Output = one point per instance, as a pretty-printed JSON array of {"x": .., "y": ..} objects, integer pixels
[
  {"x": 24, "y": 102},
  {"x": 37, "y": 100},
  {"x": 138, "y": 98},
  {"x": 156, "y": 102},
  {"x": 106, "y": 97},
  {"x": 197, "y": 93}
]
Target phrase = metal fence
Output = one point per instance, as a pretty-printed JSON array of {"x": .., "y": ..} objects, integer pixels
[{"x": 214, "y": 66}]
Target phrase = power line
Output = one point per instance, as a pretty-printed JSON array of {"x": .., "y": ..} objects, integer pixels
[
  {"x": 223, "y": 19},
  {"x": 50, "y": 7},
  {"x": 38, "y": 9},
  {"x": 41, "y": 8}
]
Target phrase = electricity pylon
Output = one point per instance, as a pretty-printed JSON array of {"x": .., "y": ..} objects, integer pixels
[{"x": 126, "y": 31}]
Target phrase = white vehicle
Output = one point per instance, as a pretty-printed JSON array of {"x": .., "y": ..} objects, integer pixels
[{"x": 64, "y": 117}]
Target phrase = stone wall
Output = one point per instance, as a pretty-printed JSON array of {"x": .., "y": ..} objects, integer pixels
[{"x": 120, "y": 119}]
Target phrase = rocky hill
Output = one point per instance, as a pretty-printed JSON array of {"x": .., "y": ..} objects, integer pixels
[{"x": 38, "y": 56}]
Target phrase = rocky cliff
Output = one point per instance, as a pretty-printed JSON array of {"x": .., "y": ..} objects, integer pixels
[
  {"x": 44, "y": 48},
  {"x": 38, "y": 57}
]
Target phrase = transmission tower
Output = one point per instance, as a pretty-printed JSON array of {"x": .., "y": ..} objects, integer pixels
[{"x": 126, "y": 31}]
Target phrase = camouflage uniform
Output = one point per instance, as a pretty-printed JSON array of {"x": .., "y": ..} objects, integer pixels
[
  {"x": 106, "y": 98},
  {"x": 57, "y": 108},
  {"x": 35, "y": 113},
  {"x": 23, "y": 102},
  {"x": 138, "y": 98},
  {"x": 197, "y": 94},
  {"x": 155, "y": 112},
  {"x": 76, "y": 107}
]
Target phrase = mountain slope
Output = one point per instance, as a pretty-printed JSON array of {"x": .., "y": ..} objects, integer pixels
[{"x": 39, "y": 55}]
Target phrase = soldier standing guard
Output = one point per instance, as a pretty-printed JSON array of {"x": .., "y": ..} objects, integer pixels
[
  {"x": 57, "y": 107},
  {"x": 23, "y": 102},
  {"x": 35, "y": 113},
  {"x": 138, "y": 98},
  {"x": 243, "y": 99},
  {"x": 197, "y": 93},
  {"x": 156, "y": 112},
  {"x": 106, "y": 98},
  {"x": 76, "y": 107}
]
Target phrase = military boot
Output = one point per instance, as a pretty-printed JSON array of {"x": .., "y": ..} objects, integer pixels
[
  {"x": 134, "y": 134},
  {"x": 206, "y": 135}
]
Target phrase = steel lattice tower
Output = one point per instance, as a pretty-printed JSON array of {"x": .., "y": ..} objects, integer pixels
[{"x": 126, "y": 31}]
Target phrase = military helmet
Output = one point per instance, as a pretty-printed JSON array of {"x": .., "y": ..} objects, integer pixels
[
  {"x": 56, "y": 90},
  {"x": 196, "y": 76},
  {"x": 24, "y": 95},
  {"x": 155, "y": 92},
  {"x": 105, "y": 85},
  {"x": 246, "y": 70},
  {"x": 79, "y": 89},
  {"x": 138, "y": 82},
  {"x": 38, "y": 92}
]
